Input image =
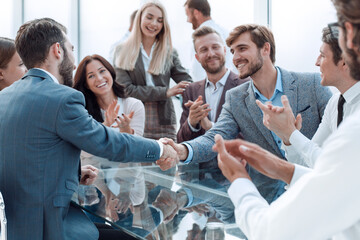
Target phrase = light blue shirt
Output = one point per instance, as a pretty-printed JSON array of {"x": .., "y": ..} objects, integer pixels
[{"x": 275, "y": 100}]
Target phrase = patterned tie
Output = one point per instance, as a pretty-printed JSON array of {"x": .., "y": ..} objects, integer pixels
[{"x": 340, "y": 109}]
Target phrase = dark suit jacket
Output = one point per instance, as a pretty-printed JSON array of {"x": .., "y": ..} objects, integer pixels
[
  {"x": 43, "y": 126},
  {"x": 135, "y": 83},
  {"x": 192, "y": 92}
]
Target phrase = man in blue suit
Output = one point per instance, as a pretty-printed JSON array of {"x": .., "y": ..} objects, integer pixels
[
  {"x": 253, "y": 49},
  {"x": 44, "y": 125}
]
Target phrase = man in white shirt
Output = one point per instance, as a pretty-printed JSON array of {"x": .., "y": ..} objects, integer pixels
[
  {"x": 198, "y": 14},
  {"x": 334, "y": 72},
  {"x": 320, "y": 204}
]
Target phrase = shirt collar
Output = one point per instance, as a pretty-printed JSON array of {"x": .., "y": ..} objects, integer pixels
[
  {"x": 222, "y": 81},
  {"x": 352, "y": 92},
  {"x": 278, "y": 87},
  {"x": 144, "y": 52},
  {"x": 52, "y": 76}
]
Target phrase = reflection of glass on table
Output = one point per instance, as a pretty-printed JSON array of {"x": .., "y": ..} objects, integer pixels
[{"x": 214, "y": 231}]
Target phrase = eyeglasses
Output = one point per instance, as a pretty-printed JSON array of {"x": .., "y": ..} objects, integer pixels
[{"x": 334, "y": 30}]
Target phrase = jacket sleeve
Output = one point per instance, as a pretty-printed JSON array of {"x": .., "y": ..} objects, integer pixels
[
  {"x": 76, "y": 126},
  {"x": 178, "y": 72}
]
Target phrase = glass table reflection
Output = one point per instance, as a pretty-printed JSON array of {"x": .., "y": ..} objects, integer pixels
[{"x": 148, "y": 203}]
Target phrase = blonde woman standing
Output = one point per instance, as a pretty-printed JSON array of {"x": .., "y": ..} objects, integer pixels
[{"x": 145, "y": 63}]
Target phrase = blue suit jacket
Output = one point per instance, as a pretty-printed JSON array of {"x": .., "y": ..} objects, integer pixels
[
  {"x": 43, "y": 126},
  {"x": 240, "y": 114}
]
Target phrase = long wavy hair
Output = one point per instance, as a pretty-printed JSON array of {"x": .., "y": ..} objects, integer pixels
[
  {"x": 80, "y": 84},
  {"x": 127, "y": 53}
]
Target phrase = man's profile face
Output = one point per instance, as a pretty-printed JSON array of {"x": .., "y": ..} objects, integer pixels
[
  {"x": 330, "y": 72},
  {"x": 247, "y": 56},
  {"x": 191, "y": 18},
  {"x": 210, "y": 52},
  {"x": 67, "y": 66},
  {"x": 350, "y": 56}
]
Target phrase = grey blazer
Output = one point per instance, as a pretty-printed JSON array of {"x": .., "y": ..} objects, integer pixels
[
  {"x": 135, "y": 84},
  {"x": 43, "y": 126},
  {"x": 240, "y": 114}
]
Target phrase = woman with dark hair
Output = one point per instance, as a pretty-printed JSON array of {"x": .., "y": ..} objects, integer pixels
[
  {"x": 11, "y": 66},
  {"x": 106, "y": 102},
  {"x": 105, "y": 98}
]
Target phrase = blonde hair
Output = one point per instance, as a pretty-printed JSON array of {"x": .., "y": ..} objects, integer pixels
[{"x": 127, "y": 53}]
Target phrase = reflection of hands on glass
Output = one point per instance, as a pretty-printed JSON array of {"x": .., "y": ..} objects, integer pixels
[
  {"x": 111, "y": 113},
  {"x": 123, "y": 123},
  {"x": 233, "y": 155},
  {"x": 280, "y": 120},
  {"x": 88, "y": 174},
  {"x": 200, "y": 209},
  {"x": 195, "y": 233},
  {"x": 170, "y": 203}
]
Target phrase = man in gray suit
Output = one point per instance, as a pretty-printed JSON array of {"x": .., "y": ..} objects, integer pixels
[
  {"x": 44, "y": 125},
  {"x": 253, "y": 47}
]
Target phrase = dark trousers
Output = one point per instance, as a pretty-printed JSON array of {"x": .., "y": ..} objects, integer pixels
[{"x": 107, "y": 232}]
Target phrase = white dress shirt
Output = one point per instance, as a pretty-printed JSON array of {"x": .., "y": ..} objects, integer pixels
[
  {"x": 212, "y": 96},
  {"x": 305, "y": 151},
  {"x": 321, "y": 204},
  {"x": 146, "y": 60},
  {"x": 197, "y": 71}
]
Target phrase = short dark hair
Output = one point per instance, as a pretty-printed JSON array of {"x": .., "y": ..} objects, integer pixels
[
  {"x": 80, "y": 84},
  {"x": 34, "y": 39},
  {"x": 7, "y": 51},
  {"x": 332, "y": 41},
  {"x": 203, "y": 31},
  {"x": 258, "y": 34},
  {"x": 202, "y": 6}
]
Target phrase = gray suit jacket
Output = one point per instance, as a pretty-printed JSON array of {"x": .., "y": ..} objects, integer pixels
[
  {"x": 43, "y": 126},
  {"x": 135, "y": 83},
  {"x": 240, "y": 114}
]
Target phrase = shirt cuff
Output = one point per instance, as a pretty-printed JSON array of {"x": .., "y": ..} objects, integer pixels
[
  {"x": 241, "y": 187},
  {"x": 189, "y": 195},
  {"x": 190, "y": 153},
  {"x": 298, "y": 139},
  {"x": 298, "y": 173},
  {"x": 161, "y": 145},
  {"x": 192, "y": 128}
]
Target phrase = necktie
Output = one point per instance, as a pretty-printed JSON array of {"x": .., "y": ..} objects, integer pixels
[{"x": 340, "y": 109}]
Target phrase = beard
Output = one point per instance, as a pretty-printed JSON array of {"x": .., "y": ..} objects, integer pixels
[
  {"x": 66, "y": 69},
  {"x": 214, "y": 70},
  {"x": 253, "y": 67}
]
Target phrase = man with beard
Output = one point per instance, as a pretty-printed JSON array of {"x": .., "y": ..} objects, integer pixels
[
  {"x": 203, "y": 100},
  {"x": 198, "y": 14},
  {"x": 44, "y": 126},
  {"x": 324, "y": 201},
  {"x": 253, "y": 49}
]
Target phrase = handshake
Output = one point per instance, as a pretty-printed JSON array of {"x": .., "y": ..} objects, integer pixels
[{"x": 172, "y": 154}]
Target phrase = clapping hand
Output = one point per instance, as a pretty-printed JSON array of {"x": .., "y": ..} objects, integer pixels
[
  {"x": 123, "y": 123},
  {"x": 111, "y": 113},
  {"x": 177, "y": 89},
  {"x": 280, "y": 120},
  {"x": 197, "y": 111}
]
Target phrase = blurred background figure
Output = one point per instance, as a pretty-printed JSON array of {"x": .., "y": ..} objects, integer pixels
[
  {"x": 145, "y": 63},
  {"x": 12, "y": 67},
  {"x": 123, "y": 39},
  {"x": 198, "y": 14}
]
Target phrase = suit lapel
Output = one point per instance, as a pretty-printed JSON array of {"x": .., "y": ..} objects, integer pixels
[
  {"x": 257, "y": 117},
  {"x": 290, "y": 88},
  {"x": 139, "y": 65}
]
